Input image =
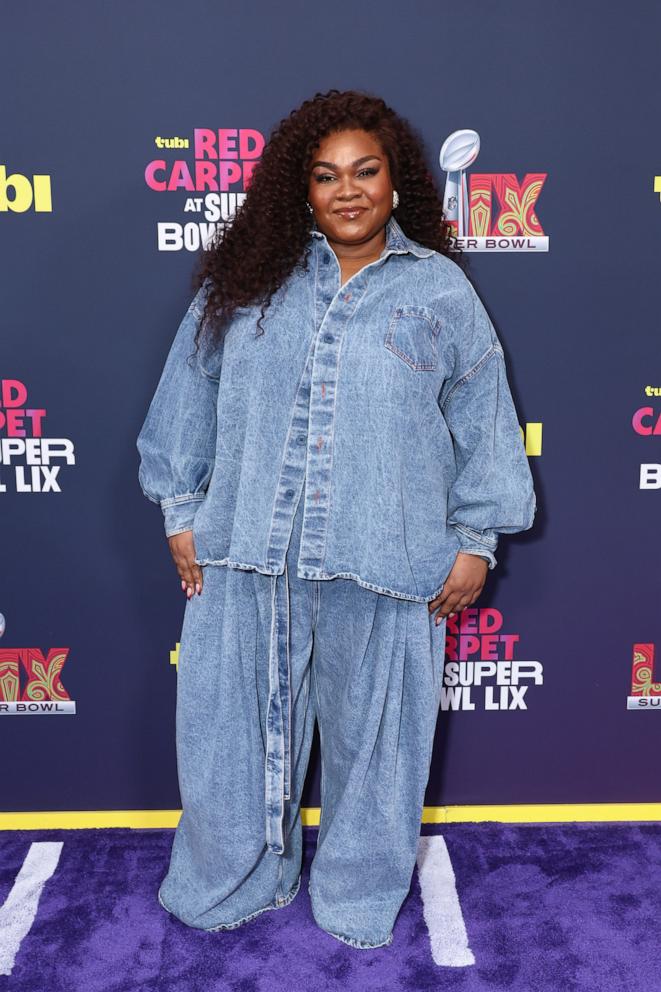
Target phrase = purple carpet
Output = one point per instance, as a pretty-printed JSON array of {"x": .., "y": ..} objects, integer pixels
[{"x": 540, "y": 908}]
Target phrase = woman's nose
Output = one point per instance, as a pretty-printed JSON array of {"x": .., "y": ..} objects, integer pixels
[
  {"x": 348, "y": 194},
  {"x": 347, "y": 189}
]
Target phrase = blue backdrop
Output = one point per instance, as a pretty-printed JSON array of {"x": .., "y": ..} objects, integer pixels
[{"x": 96, "y": 275}]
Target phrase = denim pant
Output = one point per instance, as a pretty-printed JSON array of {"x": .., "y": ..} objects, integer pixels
[{"x": 367, "y": 666}]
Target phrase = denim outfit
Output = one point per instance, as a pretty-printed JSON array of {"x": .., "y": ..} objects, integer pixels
[
  {"x": 370, "y": 432},
  {"x": 368, "y": 667}
]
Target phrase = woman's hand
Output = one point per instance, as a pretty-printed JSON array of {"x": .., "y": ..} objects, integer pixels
[
  {"x": 462, "y": 586},
  {"x": 182, "y": 549}
]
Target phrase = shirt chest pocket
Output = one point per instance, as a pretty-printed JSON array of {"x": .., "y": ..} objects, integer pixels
[{"x": 412, "y": 335}]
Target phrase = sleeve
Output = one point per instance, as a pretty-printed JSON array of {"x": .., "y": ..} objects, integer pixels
[
  {"x": 177, "y": 441},
  {"x": 493, "y": 489}
]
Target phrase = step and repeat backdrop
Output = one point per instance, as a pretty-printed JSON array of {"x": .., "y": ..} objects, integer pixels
[{"x": 128, "y": 131}]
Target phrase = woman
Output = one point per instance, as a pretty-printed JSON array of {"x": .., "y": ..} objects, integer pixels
[{"x": 333, "y": 425}]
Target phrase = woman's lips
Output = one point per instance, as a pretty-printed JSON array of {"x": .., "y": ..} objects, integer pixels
[{"x": 351, "y": 213}]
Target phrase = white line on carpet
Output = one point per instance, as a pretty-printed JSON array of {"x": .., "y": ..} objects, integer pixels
[
  {"x": 20, "y": 907},
  {"x": 441, "y": 906}
]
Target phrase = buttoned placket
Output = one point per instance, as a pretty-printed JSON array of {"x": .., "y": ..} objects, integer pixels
[{"x": 307, "y": 459}]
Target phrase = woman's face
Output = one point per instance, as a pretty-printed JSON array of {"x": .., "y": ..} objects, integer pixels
[{"x": 350, "y": 188}]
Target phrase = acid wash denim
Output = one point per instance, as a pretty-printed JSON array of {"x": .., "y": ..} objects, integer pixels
[
  {"x": 381, "y": 408},
  {"x": 368, "y": 668},
  {"x": 389, "y": 394}
]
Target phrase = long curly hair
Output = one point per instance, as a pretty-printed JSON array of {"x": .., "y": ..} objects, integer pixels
[{"x": 253, "y": 253}]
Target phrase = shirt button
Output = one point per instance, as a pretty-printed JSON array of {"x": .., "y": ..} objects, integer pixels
[
  {"x": 289, "y": 494},
  {"x": 301, "y": 439},
  {"x": 328, "y": 338}
]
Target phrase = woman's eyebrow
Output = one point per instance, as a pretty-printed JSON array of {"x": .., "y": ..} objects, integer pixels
[{"x": 359, "y": 161}]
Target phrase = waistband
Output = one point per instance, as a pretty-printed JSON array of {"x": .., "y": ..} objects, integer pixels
[{"x": 278, "y": 715}]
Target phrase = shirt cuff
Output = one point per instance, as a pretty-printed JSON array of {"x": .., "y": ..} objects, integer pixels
[
  {"x": 473, "y": 543},
  {"x": 179, "y": 512},
  {"x": 483, "y": 553}
]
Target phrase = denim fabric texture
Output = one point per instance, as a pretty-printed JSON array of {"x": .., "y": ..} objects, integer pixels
[
  {"x": 372, "y": 421},
  {"x": 368, "y": 667},
  {"x": 388, "y": 394}
]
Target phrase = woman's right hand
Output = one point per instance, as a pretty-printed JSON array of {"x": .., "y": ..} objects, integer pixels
[{"x": 182, "y": 549}]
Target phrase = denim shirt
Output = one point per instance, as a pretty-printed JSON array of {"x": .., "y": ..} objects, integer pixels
[{"x": 383, "y": 403}]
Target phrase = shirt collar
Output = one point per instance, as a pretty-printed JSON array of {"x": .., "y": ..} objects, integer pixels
[{"x": 396, "y": 241}]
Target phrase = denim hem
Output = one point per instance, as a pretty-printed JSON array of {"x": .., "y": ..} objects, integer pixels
[
  {"x": 362, "y": 944},
  {"x": 351, "y": 941},
  {"x": 276, "y": 904},
  {"x": 318, "y": 575}
]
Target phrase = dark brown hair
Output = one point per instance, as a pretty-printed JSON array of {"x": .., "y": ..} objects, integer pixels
[{"x": 252, "y": 254}]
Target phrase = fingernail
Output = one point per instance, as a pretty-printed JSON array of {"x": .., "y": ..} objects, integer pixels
[
  {"x": 198, "y": 588},
  {"x": 183, "y": 584}
]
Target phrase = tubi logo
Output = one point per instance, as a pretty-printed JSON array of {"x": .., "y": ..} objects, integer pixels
[
  {"x": 210, "y": 172},
  {"x": 25, "y": 194}
]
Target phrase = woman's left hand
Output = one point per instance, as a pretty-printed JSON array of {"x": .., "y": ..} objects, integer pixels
[{"x": 462, "y": 586}]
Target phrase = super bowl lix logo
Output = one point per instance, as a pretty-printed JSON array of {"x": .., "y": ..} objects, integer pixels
[
  {"x": 31, "y": 682},
  {"x": 645, "y": 692},
  {"x": 29, "y": 462},
  {"x": 479, "y": 667},
  {"x": 492, "y": 211}
]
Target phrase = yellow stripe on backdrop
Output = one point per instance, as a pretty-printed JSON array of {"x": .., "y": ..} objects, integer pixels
[{"x": 161, "y": 819}]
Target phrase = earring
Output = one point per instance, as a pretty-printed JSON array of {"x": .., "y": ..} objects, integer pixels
[
  {"x": 395, "y": 199},
  {"x": 310, "y": 207}
]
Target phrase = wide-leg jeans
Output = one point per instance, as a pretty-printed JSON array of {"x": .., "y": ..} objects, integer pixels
[{"x": 368, "y": 667}]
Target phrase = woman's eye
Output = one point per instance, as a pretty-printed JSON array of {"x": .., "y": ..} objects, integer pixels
[{"x": 368, "y": 171}]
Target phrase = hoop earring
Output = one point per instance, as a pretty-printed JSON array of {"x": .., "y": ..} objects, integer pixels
[{"x": 395, "y": 199}]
